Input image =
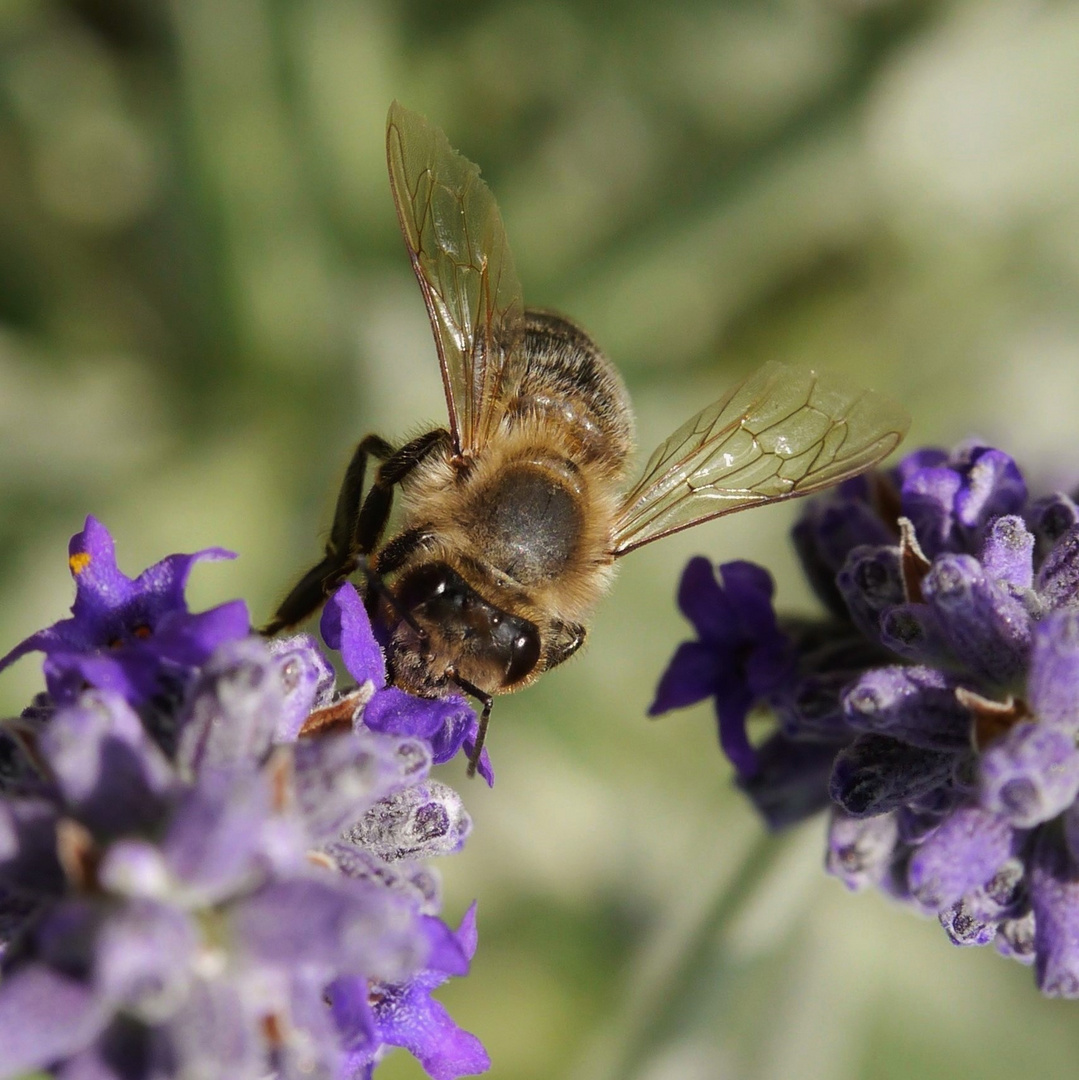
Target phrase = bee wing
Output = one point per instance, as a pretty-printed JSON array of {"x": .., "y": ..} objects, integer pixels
[
  {"x": 457, "y": 243},
  {"x": 783, "y": 432}
]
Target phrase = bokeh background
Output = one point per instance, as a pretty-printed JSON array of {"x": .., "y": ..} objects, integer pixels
[{"x": 205, "y": 302}]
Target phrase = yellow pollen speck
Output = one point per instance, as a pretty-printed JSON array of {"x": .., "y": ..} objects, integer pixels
[{"x": 79, "y": 562}]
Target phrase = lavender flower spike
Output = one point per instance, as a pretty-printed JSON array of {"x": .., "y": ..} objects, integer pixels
[
  {"x": 949, "y": 739},
  {"x": 184, "y": 886}
]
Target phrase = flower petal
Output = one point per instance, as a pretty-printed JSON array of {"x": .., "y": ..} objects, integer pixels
[
  {"x": 45, "y": 1016},
  {"x": 346, "y": 627}
]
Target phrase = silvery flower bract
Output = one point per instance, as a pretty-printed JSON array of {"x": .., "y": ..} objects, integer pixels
[
  {"x": 210, "y": 863},
  {"x": 936, "y": 708}
]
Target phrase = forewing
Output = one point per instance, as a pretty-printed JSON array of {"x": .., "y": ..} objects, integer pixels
[
  {"x": 457, "y": 243},
  {"x": 785, "y": 431}
]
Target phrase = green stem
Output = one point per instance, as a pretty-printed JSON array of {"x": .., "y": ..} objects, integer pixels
[{"x": 673, "y": 970}]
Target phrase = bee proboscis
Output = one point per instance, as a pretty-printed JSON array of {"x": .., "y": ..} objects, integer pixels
[{"x": 515, "y": 514}]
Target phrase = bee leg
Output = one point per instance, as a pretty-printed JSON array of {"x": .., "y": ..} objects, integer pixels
[
  {"x": 481, "y": 733},
  {"x": 566, "y": 639},
  {"x": 338, "y": 562},
  {"x": 370, "y": 523}
]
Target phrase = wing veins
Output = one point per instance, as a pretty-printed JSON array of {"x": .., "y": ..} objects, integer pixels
[{"x": 833, "y": 430}]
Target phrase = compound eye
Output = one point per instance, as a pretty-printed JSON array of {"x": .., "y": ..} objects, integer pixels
[
  {"x": 524, "y": 654},
  {"x": 424, "y": 584}
]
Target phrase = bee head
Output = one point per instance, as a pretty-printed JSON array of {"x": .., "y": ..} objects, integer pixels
[{"x": 488, "y": 646}]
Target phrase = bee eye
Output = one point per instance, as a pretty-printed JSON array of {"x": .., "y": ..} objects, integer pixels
[
  {"x": 524, "y": 655},
  {"x": 424, "y": 585}
]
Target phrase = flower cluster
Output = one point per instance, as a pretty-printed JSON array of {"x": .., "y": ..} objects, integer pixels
[
  {"x": 936, "y": 708},
  {"x": 211, "y": 859}
]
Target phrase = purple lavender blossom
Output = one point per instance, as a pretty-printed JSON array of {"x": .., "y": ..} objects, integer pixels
[
  {"x": 936, "y": 706},
  {"x": 127, "y": 635},
  {"x": 184, "y": 884},
  {"x": 740, "y": 657}
]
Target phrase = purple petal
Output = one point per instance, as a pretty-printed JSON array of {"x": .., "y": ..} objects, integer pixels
[
  {"x": 875, "y": 774},
  {"x": 483, "y": 766},
  {"x": 211, "y": 1035},
  {"x": 731, "y": 712},
  {"x": 99, "y": 584},
  {"x": 791, "y": 781},
  {"x": 306, "y": 678},
  {"x": 346, "y": 627},
  {"x": 189, "y": 639},
  {"x": 166, "y": 580},
  {"x": 419, "y": 821},
  {"x": 1030, "y": 775},
  {"x": 338, "y": 778},
  {"x": 987, "y": 628},
  {"x": 144, "y": 952},
  {"x": 1057, "y": 582},
  {"x": 914, "y": 704},
  {"x": 860, "y": 850},
  {"x": 966, "y": 851},
  {"x": 408, "y": 1016},
  {"x": 233, "y": 709},
  {"x": 1049, "y": 519},
  {"x": 105, "y": 764},
  {"x": 992, "y": 487},
  {"x": 352, "y": 1013},
  {"x": 749, "y": 589},
  {"x": 341, "y": 924},
  {"x": 457, "y": 725},
  {"x": 61, "y": 636},
  {"x": 224, "y": 837},
  {"x": 422, "y": 1026},
  {"x": 926, "y": 457},
  {"x": 446, "y": 955},
  {"x": 468, "y": 931},
  {"x": 691, "y": 676},
  {"x": 928, "y": 500},
  {"x": 44, "y": 1017},
  {"x": 870, "y": 583},
  {"x": 1008, "y": 552},
  {"x": 1015, "y": 938},
  {"x": 132, "y": 674},
  {"x": 448, "y": 724},
  {"x": 1053, "y": 681},
  {"x": 704, "y": 603},
  {"x": 1054, "y": 897},
  {"x": 91, "y": 1064}
]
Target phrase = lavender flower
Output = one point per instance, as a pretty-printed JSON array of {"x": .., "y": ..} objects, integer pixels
[
  {"x": 186, "y": 887},
  {"x": 740, "y": 656},
  {"x": 124, "y": 635},
  {"x": 936, "y": 707}
]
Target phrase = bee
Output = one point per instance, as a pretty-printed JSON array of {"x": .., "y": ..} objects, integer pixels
[{"x": 515, "y": 515}]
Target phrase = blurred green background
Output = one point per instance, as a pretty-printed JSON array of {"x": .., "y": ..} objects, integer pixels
[{"x": 205, "y": 302}]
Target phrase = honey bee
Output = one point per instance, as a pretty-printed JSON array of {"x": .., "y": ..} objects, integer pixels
[{"x": 515, "y": 515}]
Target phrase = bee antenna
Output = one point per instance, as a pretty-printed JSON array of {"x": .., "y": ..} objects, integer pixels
[
  {"x": 481, "y": 733},
  {"x": 374, "y": 579}
]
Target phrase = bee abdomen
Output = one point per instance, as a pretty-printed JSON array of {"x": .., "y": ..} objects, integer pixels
[{"x": 570, "y": 384}]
